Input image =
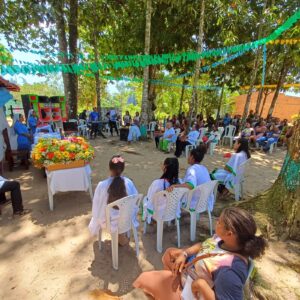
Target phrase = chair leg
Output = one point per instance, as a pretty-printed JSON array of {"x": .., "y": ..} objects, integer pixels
[
  {"x": 193, "y": 226},
  {"x": 100, "y": 239},
  {"x": 159, "y": 236},
  {"x": 136, "y": 240},
  {"x": 178, "y": 232},
  {"x": 115, "y": 250},
  {"x": 145, "y": 226},
  {"x": 237, "y": 192},
  {"x": 210, "y": 222}
]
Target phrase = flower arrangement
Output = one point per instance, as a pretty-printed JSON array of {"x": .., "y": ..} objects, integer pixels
[{"x": 48, "y": 152}]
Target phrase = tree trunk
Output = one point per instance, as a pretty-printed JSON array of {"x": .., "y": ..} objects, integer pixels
[
  {"x": 282, "y": 75},
  {"x": 151, "y": 93},
  {"x": 58, "y": 8},
  {"x": 97, "y": 76},
  {"x": 198, "y": 61},
  {"x": 73, "y": 38},
  {"x": 266, "y": 92},
  {"x": 184, "y": 82},
  {"x": 259, "y": 98},
  {"x": 255, "y": 66},
  {"x": 145, "y": 102},
  {"x": 220, "y": 100},
  {"x": 281, "y": 202}
]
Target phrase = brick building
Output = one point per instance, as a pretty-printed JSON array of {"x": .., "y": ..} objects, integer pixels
[{"x": 285, "y": 108}]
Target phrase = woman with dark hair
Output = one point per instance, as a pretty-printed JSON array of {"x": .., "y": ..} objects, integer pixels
[
  {"x": 215, "y": 269},
  {"x": 113, "y": 188},
  {"x": 169, "y": 177},
  {"x": 196, "y": 174},
  {"x": 227, "y": 176}
]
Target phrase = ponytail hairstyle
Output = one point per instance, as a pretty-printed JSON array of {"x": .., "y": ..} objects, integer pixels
[
  {"x": 242, "y": 224},
  {"x": 198, "y": 153},
  {"x": 244, "y": 146},
  {"x": 117, "y": 189},
  {"x": 171, "y": 170}
]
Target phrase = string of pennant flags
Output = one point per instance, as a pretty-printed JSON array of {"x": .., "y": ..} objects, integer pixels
[{"x": 146, "y": 60}]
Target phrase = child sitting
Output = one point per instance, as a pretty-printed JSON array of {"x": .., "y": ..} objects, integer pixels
[{"x": 113, "y": 188}]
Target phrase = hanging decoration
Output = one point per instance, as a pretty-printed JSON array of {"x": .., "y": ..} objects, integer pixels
[
  {"x": 146, "y": 60},
  {"x": 263, "y": 76}
]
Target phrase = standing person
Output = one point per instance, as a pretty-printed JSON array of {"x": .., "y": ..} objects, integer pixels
[
  {"x": 218, "y": 266},
  {"x": 82, "y": 115},
  {"x": 94, "y": 119},
  {"x": 227, "y": 176},
  {"x": 136, "y": 119},
  {"x": 189, "y": 139},
  {"x": 113, "y": 121},
  {"x": 32, "y": 121},
  {"x": 24, "y": 137},
  {"x": 127, "y": 118},
  {"x": 113, "y": 188},
  {"x": 13, "y": 187}
]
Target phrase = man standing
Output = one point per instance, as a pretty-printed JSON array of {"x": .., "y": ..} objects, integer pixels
[
  {"x": 113, "y": 121},
  {"x": 94, "y": 119}
]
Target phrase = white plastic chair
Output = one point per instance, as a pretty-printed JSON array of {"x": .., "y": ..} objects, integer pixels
[
  {"x": 82, "y": 128},
  {"x": 212, "y": 145},
  {"x": 221, "y": 130},
  {"x": 172, "y": 203},
  {"x": 151, "y": 128},
  {"x": 240, "y": 178},
  {"x": 200, "y": 196},
  {"x": 128, "y": 206},
  {"x": 229, "y": 134}
]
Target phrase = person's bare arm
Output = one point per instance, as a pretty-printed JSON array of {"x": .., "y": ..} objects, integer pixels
[
  {"x": 202, "y": 287},
  {"x": 180, "y": 185}
]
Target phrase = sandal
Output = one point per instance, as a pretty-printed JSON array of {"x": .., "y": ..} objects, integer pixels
[{"x": 22, "y": 212}]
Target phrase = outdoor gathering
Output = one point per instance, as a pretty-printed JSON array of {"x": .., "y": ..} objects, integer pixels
[{"x": 149, "y": 149}]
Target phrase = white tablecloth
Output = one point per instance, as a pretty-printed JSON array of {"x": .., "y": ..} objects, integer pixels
[{"x": 76, "y": 179}]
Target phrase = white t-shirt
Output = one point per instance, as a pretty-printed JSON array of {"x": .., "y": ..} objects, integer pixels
[{"x": 196, "y": 175}]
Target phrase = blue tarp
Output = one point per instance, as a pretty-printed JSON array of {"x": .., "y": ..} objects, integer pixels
[{"x": 5, "y": 96}]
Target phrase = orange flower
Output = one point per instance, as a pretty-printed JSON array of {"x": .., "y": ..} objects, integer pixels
[{"x": 72, "y": 155}]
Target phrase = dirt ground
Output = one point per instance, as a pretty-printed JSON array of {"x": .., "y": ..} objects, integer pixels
[{"x": 50, "y": 255}]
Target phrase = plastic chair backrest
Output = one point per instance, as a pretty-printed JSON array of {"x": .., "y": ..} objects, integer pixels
[
  {"x": 177, "y": 131},
  {"x": 230, "y": 131},
  {"x": 171, "y": 205},
  {"x": 127, "y": 207},
  {"x": 241, "y": 169},
  {"x": 221, "y": 130},
  {"x": 152, "y": 125},
  {"x": 82, "y": 122},
  {"x": 202, "y": 192}
]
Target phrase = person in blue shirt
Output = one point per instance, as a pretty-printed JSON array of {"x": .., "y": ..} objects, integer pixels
[
  {"x": 189, "y": 139},
  {"x": 169, "y": 136},
  {"x": 32, "y": 121},
  {"x": 112, "y": 115},
  {"x": 94, "y": 119},
  {"x": 24, "y": 137},
  {"x": 226, "y": 120}
]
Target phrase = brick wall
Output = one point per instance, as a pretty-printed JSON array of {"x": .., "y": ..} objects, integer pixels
[{"x": 285, "y": 108}]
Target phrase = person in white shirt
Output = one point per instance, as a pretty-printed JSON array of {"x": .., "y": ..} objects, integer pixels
[
  {"x": 113, "y": 188},
  {"x": 189, "y": 139},
  {"x": 196, "y": 174}
]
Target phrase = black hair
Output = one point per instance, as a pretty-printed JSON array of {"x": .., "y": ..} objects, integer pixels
[
  {"x": 171, "y": 170},
  {"x": 242, "y": 224},
  {"x": 198, "y": 153},
  {"x": 244, "y": 146},
  {"x": 117, "y": 189}
]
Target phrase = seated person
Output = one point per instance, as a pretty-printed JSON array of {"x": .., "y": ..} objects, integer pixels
[
  {"x": 184, "y": 140},
  {"x": 32, "y": 121},
  {"x": 113, "y": 188},
  {"x": 13, "y": 187},
  {"x": 24, "y": 137},
  {"x": 218, "y": 268},
  {"x": 127, "y": 119},
  {"x": 134, "y": 132},
  {"x": 259, "y": 131},
  {"x": 196, "y": 174},
  {"x": 169, "y": 177},
  {"x": 270, "y": 137},
  {"x": 212, "y": 137},
  {"x": 247, "y": 132},
  {"x": 227, "y": 176},
  {"x": 169, "y": 136}
]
